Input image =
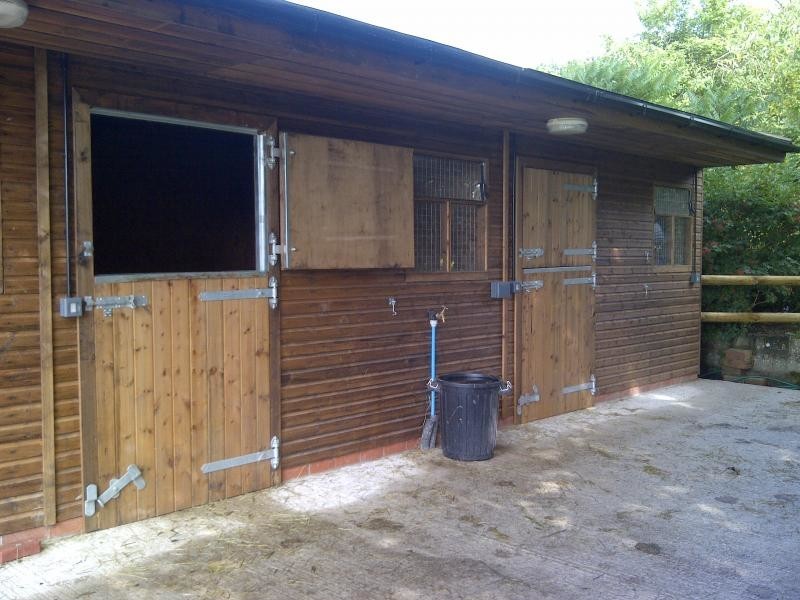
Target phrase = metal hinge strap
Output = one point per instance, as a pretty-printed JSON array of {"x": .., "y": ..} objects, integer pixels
[
  {"x": 272, "y": 455},
  {"x": 582, "y": 281},
  {"x": 582, "y": 251},
  {"x": 534, "y": 270},
  {"x": 270, "y": 293},
  {"x": 525, "y": 399},
  {"x": 591, "y": 386},
  {"x": 590, "y": 189}
]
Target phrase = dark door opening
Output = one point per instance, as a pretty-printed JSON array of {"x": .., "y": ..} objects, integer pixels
[{"x": 171, "y": 198}]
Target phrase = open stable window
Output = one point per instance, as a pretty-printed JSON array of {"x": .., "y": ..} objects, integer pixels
[
  {"x": 346, "y": 204},
  {"x": 169, "y": 197},
  {"x": 449, "y": 214},
  {"x": 672, "y": 230}
]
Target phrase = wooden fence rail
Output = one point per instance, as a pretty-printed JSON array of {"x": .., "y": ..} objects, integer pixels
[
  {"x": 750, "y": 317},
  {"x": 793, "y": 280}
]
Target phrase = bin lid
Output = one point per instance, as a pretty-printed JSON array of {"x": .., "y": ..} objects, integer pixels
[{"x": 470, "y": 379}]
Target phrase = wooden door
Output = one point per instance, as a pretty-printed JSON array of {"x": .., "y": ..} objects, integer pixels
[
  {"x": 171, "y": 386},
  {"x": 556, "y": 311}
]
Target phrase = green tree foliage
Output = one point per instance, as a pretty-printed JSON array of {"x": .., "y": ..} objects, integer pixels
[{"x": 730, "y": 62}]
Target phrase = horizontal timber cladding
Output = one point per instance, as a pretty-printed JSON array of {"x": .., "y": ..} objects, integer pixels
[
  {"x": 21, "y": 497},
  {"x": 647, "y": 318},
  {"x": 353, "y": 375}
]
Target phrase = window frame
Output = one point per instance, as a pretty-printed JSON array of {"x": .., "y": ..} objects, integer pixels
[
  {"x": 260, "y": 200},
  {"x": 482, "y": 224},
  {"x": 690, "y": 239}
]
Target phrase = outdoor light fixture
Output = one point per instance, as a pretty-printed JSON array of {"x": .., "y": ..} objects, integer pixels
[
  {"x": 13, "y": 13},
  {"x": 567, "y": 126}
]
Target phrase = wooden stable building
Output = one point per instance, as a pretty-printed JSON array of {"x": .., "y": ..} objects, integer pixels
[{"x": 207, "y": 209}]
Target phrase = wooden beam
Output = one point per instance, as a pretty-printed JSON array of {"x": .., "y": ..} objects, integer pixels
[
  {"x": 45, "y": 287},
  {"x": 722, "y": 317},
  {"x": 793, "y": 280}
]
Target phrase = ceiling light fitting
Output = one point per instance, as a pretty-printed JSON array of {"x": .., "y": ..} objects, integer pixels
[
  {"x": 13, "y": 13},
  {"x": 567, "y": 126}
]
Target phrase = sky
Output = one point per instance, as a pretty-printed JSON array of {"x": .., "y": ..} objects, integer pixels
[{"x": 526, "y": 33}]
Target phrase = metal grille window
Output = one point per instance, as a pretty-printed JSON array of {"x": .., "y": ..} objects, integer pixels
[
  {"x": 672, "y": 237},
  {"x": 428, "y": 248},
  {"x": 463, "y": 236},
  {"x": 450, "y": 201}
]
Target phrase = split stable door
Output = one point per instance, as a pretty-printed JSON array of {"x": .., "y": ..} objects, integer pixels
[
  {"x": 178, "y": 340},
  {"x": 556, "y": 255}
]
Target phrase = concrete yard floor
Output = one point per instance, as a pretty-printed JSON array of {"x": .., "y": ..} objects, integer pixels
[{"x": 692, "y": 491}]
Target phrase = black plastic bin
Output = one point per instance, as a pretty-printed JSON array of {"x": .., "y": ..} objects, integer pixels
[{"x": 469, "y": 406}]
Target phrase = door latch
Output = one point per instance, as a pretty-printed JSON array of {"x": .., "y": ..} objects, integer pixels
[{"x": 92, "y": 501}]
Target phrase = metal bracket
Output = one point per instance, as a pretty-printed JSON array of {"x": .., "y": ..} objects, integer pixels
[
  {"x": 87, "y": 252},
  {"x": 271, "y": 152},
  {"x": 270, "y": 293},
  {"x": 583, "y": 251},
  {"x": 531, "y": 253},
  {"x": 583, "y": 281},
  {"x": 92, "y": 501},
  {"x": 272, "y": 455},
  {"x": 527, "y": 399},
  {"x": 109, "y": 303},
  {"x": 591, "y": 386},
  {"x": 276, "y": 249}
]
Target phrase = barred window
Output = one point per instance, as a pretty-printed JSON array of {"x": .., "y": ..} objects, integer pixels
[
  {"x": 449, "y": 214},
  {"x": 672, "y": 230}
]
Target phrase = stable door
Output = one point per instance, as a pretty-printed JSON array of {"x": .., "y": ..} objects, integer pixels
[
  {"x": 556, "y": 257},
  {"x": 178, "y": 340}
]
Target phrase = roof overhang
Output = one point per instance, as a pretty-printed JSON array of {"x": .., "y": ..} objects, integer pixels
[{"x": 270, "y": 44}]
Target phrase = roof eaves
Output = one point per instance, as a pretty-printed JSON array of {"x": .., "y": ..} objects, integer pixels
[{"x": 319, "y": 20}]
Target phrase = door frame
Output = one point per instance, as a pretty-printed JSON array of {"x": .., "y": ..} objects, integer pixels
[
  {"x": 83, "y": 103},
  {"x": 521, "y": 163}
]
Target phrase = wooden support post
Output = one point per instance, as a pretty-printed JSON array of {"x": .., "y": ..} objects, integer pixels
[
  {"x": 84, "y": 279},
  {"x": 505, "y": 250},
  {"x": 45, "y": 287},
  {"x": 723, "y": 317},
  {"x": 792, "y": 280}
]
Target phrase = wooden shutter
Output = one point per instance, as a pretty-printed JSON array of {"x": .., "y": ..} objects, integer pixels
[{"x": 346, "y": 204}]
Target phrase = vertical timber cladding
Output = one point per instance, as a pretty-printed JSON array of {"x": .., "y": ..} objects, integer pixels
[
  {"x": 556, "y": 310},
  {"x": 180, "y": 383}
]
